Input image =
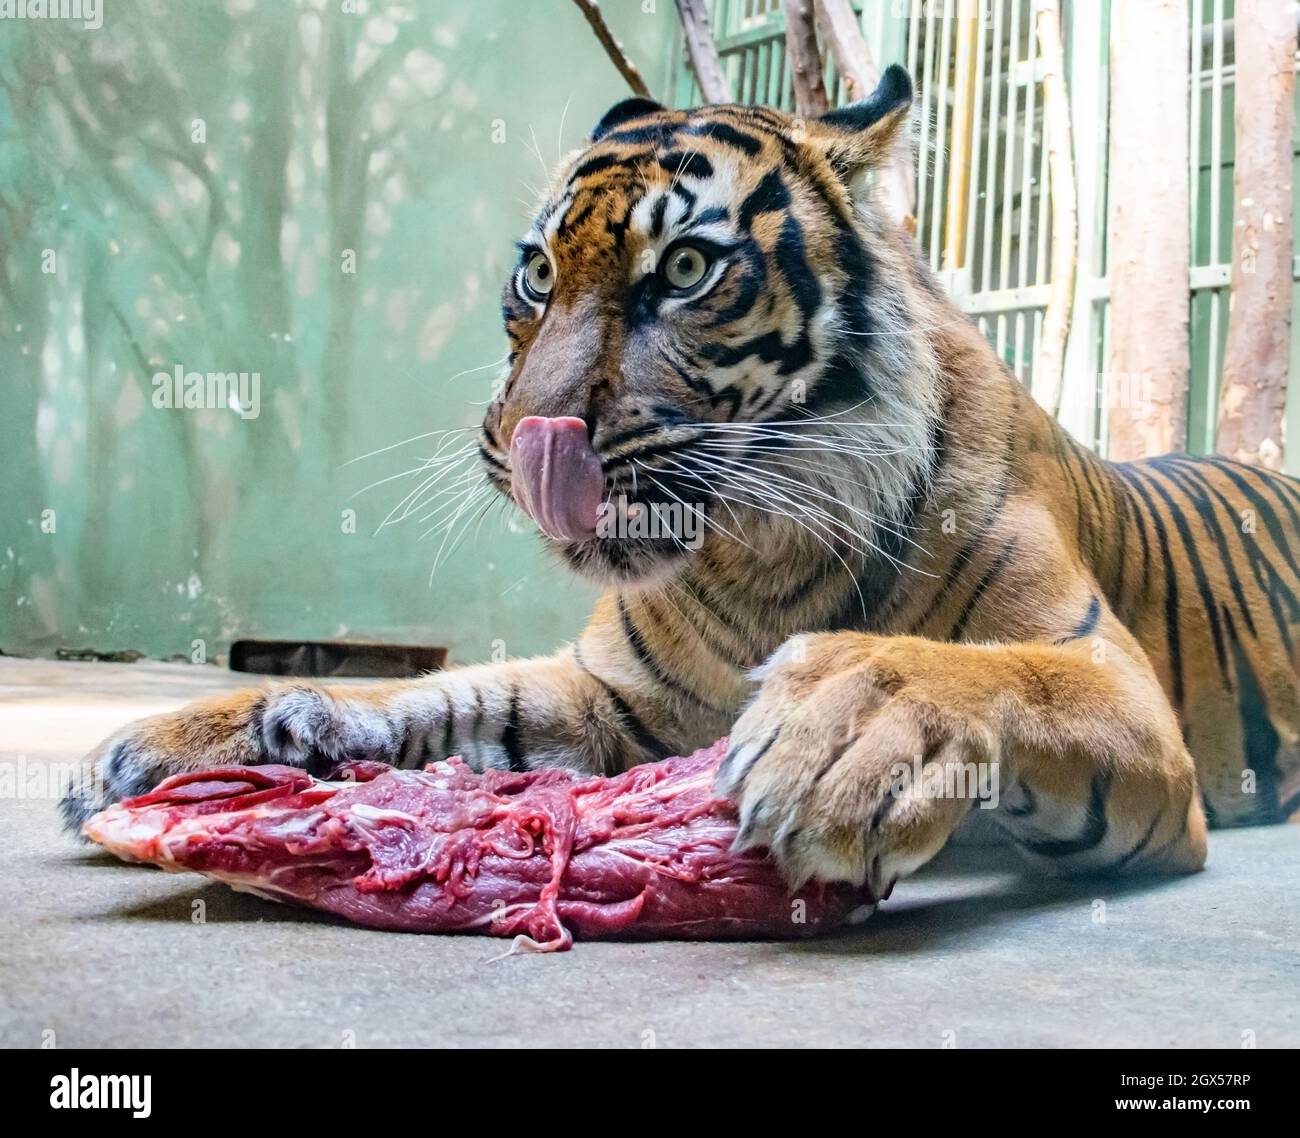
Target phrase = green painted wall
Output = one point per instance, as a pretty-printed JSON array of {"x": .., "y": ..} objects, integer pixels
[
  {"x": 135, "y": 238},
  {"x": 178, "y": 187}
]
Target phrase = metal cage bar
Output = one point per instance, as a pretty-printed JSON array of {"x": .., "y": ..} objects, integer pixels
[{"x": 992, "y": 252}]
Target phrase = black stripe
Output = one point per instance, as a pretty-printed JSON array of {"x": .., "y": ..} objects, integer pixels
[
  {"x": 596, "y": 165},
  {"x": 1084, "y": 463},
  {"x": 448, "y": 726},
  {"x": 657, "y": 134},
  {"x": 746, "y": 277},
  {"x": 989, "y": 577},
  {"x": 686, "y": 163},
  {"x": 491, "y": 459},
  {"x": 1173, "y": 634},
  {"x": 968, "y": 551},
  {"x": 1059, "y": 441},
  {"x": 1090, "y": 836},
  {"x": 1272, "y": 482},
  {"x": 657, "y": 215},
  {"x": 1196, "y": 494},
  {"x": 476, "y": 727},
  {"x": 727, "y": 135},
  {"x": 769, "y": 347},
  {"x": 800, "y": 279},
  {"x": 1285, "y": 485},
  {"x": 713, "y": 214},
  {"x": 712, "y": 623},
  {"x": 414, "y": 747},
  {"x": 616, "y": 226},
  {"x": 724, "y": 605},
  {"x": 511, "y": 739},
  {"x": 1142, "y": 844},
  {"x": 648, "y": 661},
  {"x": 643, "y": 737},
  {"x": 769, "y": 196},
  {"x": 1208, "y": 600},
  {"x": 876, "y": 591},
  {"x": 255, "y": 724},
  {"x": 764, "y": 117},
  {"x": 730, "y": 396},
  {"x": 648, "y": 428},
  {"x": 1260, "y": 737},
  {"x": 571, "y": 220},
  {"x": 1120, "y": 509},
  {"x": 846, "y": 379},
  {"x": 696, "y": 383},
  {"x": 687, "y": 197},
  {"x": 1271, "y": 521},
  {"x": 1273, "y": 589},
  {"x": 652, "y": 450},
  {"x": 1140, "y": 524},
  {"x": 1088, "y": 624}
]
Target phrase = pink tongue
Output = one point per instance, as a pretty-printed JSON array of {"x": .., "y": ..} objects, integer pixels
[{"x": 557, "y": 477}]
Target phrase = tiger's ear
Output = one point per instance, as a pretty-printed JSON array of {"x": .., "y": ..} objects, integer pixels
[
  {"x": 863, "y": 134},
  {"x": 623, "y": 112}
]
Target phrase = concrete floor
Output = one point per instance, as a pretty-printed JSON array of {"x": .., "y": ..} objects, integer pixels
[{"x": 971, "y": 952}]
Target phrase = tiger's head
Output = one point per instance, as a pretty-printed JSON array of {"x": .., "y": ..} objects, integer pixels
[{"x": 702, "y": 296}]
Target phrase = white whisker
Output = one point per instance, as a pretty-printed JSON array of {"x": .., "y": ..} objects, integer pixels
[{"x": 412, "y": 439}]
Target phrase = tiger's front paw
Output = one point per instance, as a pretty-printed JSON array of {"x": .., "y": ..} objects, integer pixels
[
  {"x": 849, "y": 765},
  {"x": 294, "y": 724},
  {"x": 306, "y": 726}
]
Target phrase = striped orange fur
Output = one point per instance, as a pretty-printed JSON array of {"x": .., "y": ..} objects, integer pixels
[{"x": 904, "y": 560}]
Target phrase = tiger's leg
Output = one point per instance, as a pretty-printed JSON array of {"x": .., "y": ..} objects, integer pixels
[
  {"x": 851, "y": 761},
  {"x": 591, "y": 707}
]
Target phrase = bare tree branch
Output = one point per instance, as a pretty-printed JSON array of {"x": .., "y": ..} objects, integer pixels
[
  {"x": 1049, "y": 364},
  {"x": 1150, "y": 248},
  {"x": 805, "y": 59},
  {"x": 703, "y": 52},
  {"x": 848, "y": 46},
  {"x": 1252, "y": 400},
  {"x": 613, "y": 48}
]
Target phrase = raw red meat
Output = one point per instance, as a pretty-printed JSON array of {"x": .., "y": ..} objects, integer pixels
[{"x": 539, "y": 856}]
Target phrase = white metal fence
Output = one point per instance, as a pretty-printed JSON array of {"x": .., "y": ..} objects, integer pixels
[{"x": 982, "y": 207}]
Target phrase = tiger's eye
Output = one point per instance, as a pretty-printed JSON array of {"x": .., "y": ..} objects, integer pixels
[
  {"x": 539, "y": 277},
  {"x": 686, "y": 267}
]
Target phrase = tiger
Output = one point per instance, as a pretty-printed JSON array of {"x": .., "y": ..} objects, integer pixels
[{"x": 903, "y": 561}]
